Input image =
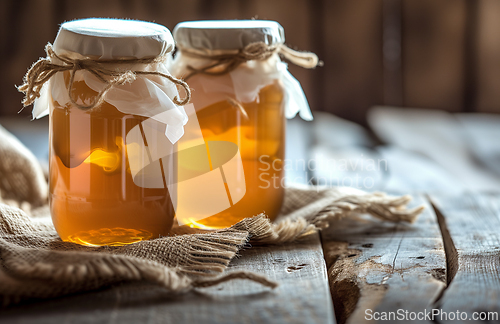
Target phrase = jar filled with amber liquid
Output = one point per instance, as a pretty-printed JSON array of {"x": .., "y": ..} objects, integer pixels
[
  {"x": 242, "y": 94},
  {"x": 114, "y": 124}
]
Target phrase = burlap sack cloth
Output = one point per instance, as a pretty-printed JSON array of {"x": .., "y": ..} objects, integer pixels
[{"x": 36, "y": 264}]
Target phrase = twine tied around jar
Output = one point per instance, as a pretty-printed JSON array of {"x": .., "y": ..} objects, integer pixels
[
  {"x": 42, "y": 70},
  {"x": 255, "y": 51}
]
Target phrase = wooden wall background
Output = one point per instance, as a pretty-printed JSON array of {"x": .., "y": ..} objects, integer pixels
[{"x": 410, "y": 53}]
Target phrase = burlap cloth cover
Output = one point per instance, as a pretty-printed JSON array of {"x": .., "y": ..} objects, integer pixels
[{"x": 36, "y": 264}]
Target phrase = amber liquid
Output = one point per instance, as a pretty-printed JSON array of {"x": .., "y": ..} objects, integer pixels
[
  {"x": 93, "y": 198},
  {"x": 258, "y": 128}
]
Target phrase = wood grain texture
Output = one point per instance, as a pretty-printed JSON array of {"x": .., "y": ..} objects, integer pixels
[
  {"x": 352, "y": 37},
  {"x": 437, "y": 135},
  {"x": 384, "y": 267},
  {"x": 343, "y": 154},
  {"x": 482, "y": 134},
  {"x": 488, "y": 50},
  {"x": 412, "y": 172},
  {"x": 302, "y": 296},
  {"x": 404, "y": 53},
  {"x": 471, "y": 224},
  {"x": 433, "y": 53}
]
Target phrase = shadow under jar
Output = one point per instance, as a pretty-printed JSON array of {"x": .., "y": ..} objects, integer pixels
[
  {"x": 246, "y": 106},
  {"x": 98, "y": 195}
]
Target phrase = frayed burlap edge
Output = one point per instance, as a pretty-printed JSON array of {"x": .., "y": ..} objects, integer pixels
[
  {"x": 36, "y": 264},
  {"x": 329, "y": 209},
  {"x": 176, "y": 263}
]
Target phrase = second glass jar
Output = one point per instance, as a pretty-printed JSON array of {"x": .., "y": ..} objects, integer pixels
[{"x": 244, "y": 106}]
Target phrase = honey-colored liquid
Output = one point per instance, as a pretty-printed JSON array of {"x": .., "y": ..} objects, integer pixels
[
  {"x": 258, "y": 129},
  {"x": 93, "y": 198}
]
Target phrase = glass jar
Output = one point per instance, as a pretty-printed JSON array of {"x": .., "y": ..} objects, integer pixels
[
  {"x": 240, "y": 102},
  {"x": 109, "y": 182}
]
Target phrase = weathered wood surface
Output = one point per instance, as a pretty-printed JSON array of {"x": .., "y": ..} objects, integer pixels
[
  {"x": 471, "y": 232},
  {"x": 345, "y": 154},
  {"x": 411, "y": 172},
  {"x": 482, "y": 134},
  {"x": 341, "y": 154},
  {"x": 302, "y": 297},
  {"x": 439, "y": 136},
  {"x": 381, "y": 267}
]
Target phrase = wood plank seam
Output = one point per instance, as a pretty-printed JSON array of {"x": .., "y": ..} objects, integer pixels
[
  {"x": 469, "y": 224},
  {"x": 381, "y": 266},
  {"x": 449, "y": 247}
]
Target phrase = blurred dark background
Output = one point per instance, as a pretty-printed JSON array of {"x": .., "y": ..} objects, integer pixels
[{"x": 411, "y": 53}]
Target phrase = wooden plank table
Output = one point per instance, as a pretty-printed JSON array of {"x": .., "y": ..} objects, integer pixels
[
  {"x": 471, "y": 224},
  {"x": 384, "y": 267},
  {"x": 358, "y": 269}
]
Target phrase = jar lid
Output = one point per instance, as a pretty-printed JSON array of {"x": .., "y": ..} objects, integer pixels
[
  {"x": 113, "y": 38},
  {"x": 227, "y": 34}
]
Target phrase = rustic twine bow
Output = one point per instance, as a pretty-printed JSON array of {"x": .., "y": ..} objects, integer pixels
[
  {"x": 255, "y": 51},
  {"x": 41, "y": 71}
]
